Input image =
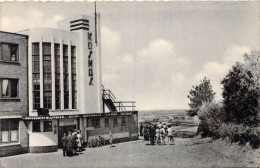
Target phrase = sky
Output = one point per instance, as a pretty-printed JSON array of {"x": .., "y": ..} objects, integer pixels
[{"x": 154, "y": 52}]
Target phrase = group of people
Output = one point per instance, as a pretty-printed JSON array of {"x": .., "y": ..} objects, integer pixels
[
  {"x": 156, "y": 133},
  {"x": 72, "y": 143}
]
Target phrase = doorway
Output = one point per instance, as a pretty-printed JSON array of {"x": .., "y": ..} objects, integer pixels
[{"x": 65, "y": 129}]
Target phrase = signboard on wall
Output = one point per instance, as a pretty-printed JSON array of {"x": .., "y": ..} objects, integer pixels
[{"x": 66, "y": 122}]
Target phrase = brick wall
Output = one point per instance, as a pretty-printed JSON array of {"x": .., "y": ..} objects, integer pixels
[{"x": 15, "y": 70}]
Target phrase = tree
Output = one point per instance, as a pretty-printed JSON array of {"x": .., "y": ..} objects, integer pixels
[
  {"x": 252, "y": 63},
  {"x": 199, "y": 94},
  {"x": 240, "y": 96}
]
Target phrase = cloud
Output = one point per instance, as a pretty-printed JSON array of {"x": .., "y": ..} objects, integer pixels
[
  {"x": 158, "y": 49},
  {"x": 31, "y": 19},
  {"x": 216, "y": 70}
]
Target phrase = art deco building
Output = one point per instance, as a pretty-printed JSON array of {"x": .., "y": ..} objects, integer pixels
[{"x": 65, "y": 88}]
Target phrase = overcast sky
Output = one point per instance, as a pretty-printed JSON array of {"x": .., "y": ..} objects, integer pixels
[{"x": 154, "y": 52}]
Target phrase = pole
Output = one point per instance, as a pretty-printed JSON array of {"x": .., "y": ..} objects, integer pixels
[{"x": 96, "y": 22}]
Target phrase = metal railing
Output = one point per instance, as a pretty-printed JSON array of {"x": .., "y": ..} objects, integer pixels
[{"x": 120, "y": 105}]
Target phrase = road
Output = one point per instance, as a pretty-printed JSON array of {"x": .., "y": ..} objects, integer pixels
[{"x": 183, "y": 153}]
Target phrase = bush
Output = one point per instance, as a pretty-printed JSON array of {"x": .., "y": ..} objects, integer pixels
[
  {"x": 211, "y": 116},
  {"x": 240, "y": 133}
]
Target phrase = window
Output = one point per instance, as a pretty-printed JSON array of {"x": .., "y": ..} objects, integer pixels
[
  {"x": 9, "y": 88},
  {"x": 47, "y": 76},
  {"x": 36, "y": 126},
  {"x": 47, "y": 126},
  {"x": 57, "y": 75},
  {"x": 36, "y": 74},
  {"x": 9, "y": 52},
  {"x": 115, "y": 121},
  {"x": 9, "y": 131},
  {"x": 106, "y": 122},
  {"x": 74, "y": 77},
  {"x": 66, "y": 76},
  {"x": 96, "y": 122},
  {"x": 123, "y": 121}
]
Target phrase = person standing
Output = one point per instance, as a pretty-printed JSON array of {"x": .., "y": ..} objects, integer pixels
[
  {"x": 170, "y": 134},
  {"x": 157, "y": 134},
  {"x": 146, "y": 134},
  {"x": 64, "y": 143},
  {"x": 79, "y": 141},
  {"x": 152, "y": 134},
  {"x": 141, "y": 129},
  {"x": 70, "y": 144},
  {"x": 162, "y": 135},
  {"x": 111, "y": 138}
]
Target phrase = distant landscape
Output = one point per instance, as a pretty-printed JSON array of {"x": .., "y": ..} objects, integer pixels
[
  {"x": 151, "y": 113},
  {"x": 182, "y": 124}
]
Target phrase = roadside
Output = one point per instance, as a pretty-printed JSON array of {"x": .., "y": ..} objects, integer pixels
[{"x": 190, "y": 152}]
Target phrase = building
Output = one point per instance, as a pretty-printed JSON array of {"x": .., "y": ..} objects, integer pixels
[
  {"x": 13, "y": 93},
  {"x": 65, "y": 87}
]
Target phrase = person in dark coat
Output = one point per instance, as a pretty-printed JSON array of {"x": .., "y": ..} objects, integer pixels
[
  {"x": 70, "y": 144},
  {"x": 141, "y": 129},
  {"x": 146, "y": 133},
  {"x": 152, "y": 133},
  {"x": 64, "y": 142}
]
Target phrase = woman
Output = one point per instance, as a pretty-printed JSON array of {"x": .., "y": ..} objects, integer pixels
[{"x": 79, "y": 141}]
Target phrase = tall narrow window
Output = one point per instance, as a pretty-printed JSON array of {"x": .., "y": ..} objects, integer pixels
[
  {"x": 66, "y": 76},
  {"x": 36, "y": 75},
  {"x": 57, "y": 76},
  {"x": 47, "y": 88},
  {"x": 74, "y": 77}
]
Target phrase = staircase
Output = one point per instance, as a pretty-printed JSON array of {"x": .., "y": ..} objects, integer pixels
[{"x": 113, "y": 105}]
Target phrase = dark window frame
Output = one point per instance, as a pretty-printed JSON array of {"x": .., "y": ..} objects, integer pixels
[
  {"x": 106, "y": 122},
  {"x": 9, "y": 125},
  {"x": 96, "y": 122},
  {"x": 115, "y": 121},
  {"x": 13, "y": 83},
  {"x": 36, "y": 129},
  {"x": 45, "y": 126},
  {"x": 17, "y": 52},
  {"x": 123, "y": 121}
]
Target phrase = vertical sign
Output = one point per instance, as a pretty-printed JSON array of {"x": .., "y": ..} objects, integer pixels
[{"x": 90, "y": 60}]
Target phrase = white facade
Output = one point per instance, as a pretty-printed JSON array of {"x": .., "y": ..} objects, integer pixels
[{"x": 55, "y": 49}]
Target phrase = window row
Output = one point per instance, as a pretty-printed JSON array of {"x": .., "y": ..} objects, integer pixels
[
  {"x": 47, "y": 126},
  {"x": 47, "y": 86},
  {"x": 96, "y": 122}
]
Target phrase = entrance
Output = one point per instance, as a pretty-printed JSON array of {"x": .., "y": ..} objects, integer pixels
[
  {"x": 65, "y": 126},
  {"x": 65, "y": 129}
]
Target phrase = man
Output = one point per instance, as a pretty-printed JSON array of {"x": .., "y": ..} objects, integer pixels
[
  {"x": 70, "y": 144},
  {"x": 170, "y": 133},
  {"x": 146, "y": 133},
  {"x": 152, "y": 134},
  {"x": 141, "y": 129},
  {"x": 64, "y": 142}
]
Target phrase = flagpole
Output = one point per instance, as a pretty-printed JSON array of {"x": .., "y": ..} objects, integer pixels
[{"x": 96, "y": 22}]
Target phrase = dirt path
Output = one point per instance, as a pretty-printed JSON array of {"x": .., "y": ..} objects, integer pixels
[{"x": 183, "y": 153}]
